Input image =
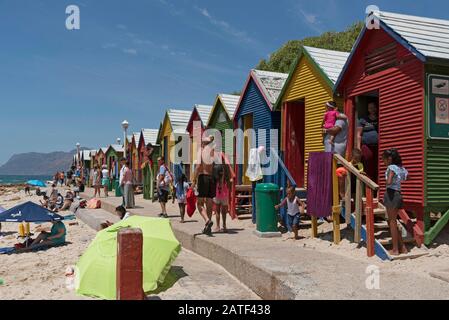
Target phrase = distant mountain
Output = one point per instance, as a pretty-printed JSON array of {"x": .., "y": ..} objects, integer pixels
[{"x": 34, "y": 163}]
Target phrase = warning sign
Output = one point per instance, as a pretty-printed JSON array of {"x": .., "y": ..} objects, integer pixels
[
  {"x": 442, "y": 110},
  {"x": 438, "y": 106},
  {"x": 440, "y": 86}
]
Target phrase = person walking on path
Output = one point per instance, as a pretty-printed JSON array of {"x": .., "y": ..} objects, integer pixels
[
  {"x": 181, "y": 187},
  {"x": 97, "y": 182},
  {"x": 126, "y": 184},
  {"x": 163, "y": 181},
  {"x": 205, "y": 183},
  {"x": 105, "y": 180},
  {"x": 394, "y": 175},
  {"x": 221, "y": 200}
]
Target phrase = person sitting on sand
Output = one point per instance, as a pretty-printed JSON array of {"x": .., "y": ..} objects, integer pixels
[
  {"x": 121, "y": 212},
  {"x": 68, "y": 201},
  {"x": 44, "y": 202},
  {"x": 56, "y": 237}
]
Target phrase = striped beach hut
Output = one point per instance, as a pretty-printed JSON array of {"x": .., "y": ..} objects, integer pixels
[
  {"x": 303, "y": 103},
  {"x": 146, "y": 137},
  {"x": 113, "y": 155},
  {"x": 222, "y": 119},
  {"x": 200, "y": 116},
  {"x": 255, "y": 110},
  {"x": 402, "y": 63},
  {"x": 174, "y": 138}
]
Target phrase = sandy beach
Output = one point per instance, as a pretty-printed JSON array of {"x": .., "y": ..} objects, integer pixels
[{"x": 39, "y": 275}]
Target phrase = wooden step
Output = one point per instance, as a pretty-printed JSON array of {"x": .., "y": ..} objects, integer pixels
[
  {"x": 388, "y": 241},
  {"x": 381, "y": 225},
  {"x": 244, "y": 196},
  {"x": 379, "y": 211},
  {"x": 244, "y": 206},
  {"x": 243, "y": 188}
]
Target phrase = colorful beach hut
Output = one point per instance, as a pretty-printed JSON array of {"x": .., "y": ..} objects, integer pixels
[
  {"x": 302, "y": 102},
  {"x": 200, "y": 115},
  {"x": 172, "y": 135},
  {"x": 113, "y": 155},
  {"x": 100, "y": 156},
  {"x": 133, "y": 154},
  {"x": 222, "y": 119},
  {"x": 148, "y": 136},
  {"x": 255, "y": 110},
  {"x": 403, "y": 66}
]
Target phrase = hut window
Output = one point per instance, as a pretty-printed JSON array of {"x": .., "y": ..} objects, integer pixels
[{"x": 381, "y": 59}]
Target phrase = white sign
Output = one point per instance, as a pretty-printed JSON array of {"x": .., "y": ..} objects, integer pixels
[
  {"x": 440, "y": 86},
  {"x": 442, "y": 111}
]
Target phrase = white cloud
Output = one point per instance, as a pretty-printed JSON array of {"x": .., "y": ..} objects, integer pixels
[
  {"x": 130, "y": 51},
  {"x": 311, "y": 20},
  {"x": 121, "y": 27},
  {"x": 310, "y": 17},
  {"x": 109, "y": 45},
  {"x": 225, "y": 26}
]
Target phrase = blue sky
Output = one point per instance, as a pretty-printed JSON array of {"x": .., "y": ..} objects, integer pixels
[{"x": 134, "y": 59}]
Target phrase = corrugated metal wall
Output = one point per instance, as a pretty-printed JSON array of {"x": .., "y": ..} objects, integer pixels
[
  {"x": 437, "y": 180},
  {"x": 308, "y": 85},
  {"x": 401, "y": 108},
  {"x": 254, "y": 102},
  {"x": 437, "y": 161},
  {"x": 227, "y": 146}
]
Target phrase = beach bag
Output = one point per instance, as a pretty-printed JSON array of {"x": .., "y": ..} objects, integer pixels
[
  {"x": 94, "y": 204},
  {"x": 191, "y": 202}
]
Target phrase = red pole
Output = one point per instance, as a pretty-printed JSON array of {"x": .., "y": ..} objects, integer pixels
[
  {"x": 129, "y": 264},
  {"x": 369, "y": 222}
]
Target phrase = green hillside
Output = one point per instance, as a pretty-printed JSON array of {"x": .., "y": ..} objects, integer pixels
[{"x": 282, "y": 59}]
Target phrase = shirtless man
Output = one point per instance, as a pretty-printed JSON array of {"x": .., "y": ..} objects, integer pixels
[{"x": 203, "y": 178}]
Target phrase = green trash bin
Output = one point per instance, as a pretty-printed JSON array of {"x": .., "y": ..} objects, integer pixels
[
  {"x": 267, "y": 196},
  {"x": 118, "y": 190}
]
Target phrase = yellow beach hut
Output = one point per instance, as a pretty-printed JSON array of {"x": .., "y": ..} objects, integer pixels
[{"x": 303, "y": 103}]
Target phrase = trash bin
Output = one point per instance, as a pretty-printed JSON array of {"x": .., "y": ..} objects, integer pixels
[
  {"x": 267, "y": 196},
  {"x": 118, "y": 190}
]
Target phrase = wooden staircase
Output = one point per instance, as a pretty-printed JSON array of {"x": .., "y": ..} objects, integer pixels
[
  {"x": 243, "y": 201},
  {"x": 369, "y": 219}
]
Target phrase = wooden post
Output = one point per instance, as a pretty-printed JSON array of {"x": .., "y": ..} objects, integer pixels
[
  {"x": 348, "y": 196},
  {"x": 358, "y": 212},
  {"x": 369, "y": 222},
  {"x": 336, "y": 203},
  {"x": 129, "y": 264},
  {"x": 314, "y": 227}
]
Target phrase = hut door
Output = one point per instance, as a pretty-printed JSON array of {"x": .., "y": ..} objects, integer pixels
[
  {"x": 294, "y": 139},
  {"x": 247, "y": 125}
]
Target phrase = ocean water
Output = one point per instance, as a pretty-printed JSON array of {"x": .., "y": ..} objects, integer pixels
[{"x": 21, "y": 179}]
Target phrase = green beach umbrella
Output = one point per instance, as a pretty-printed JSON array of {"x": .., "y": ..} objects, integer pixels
[{"x": 96, "y": 269}]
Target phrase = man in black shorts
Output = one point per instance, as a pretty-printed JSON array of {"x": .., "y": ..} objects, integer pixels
[
  {"x": 163, "y": 186},
  {"x": 204, "y": 181}
]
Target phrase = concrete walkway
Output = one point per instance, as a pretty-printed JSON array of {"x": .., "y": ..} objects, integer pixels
[{"x": 279, "y": 269}]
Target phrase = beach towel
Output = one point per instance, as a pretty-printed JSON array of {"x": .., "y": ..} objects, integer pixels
[
  {"x": 319, "y": 185},
  {"x": 7, "y": 250},
  {"x": 191, "y": 202},
  {"x": 254, "y": 170},
  {"x": 94, "y": 204}
]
